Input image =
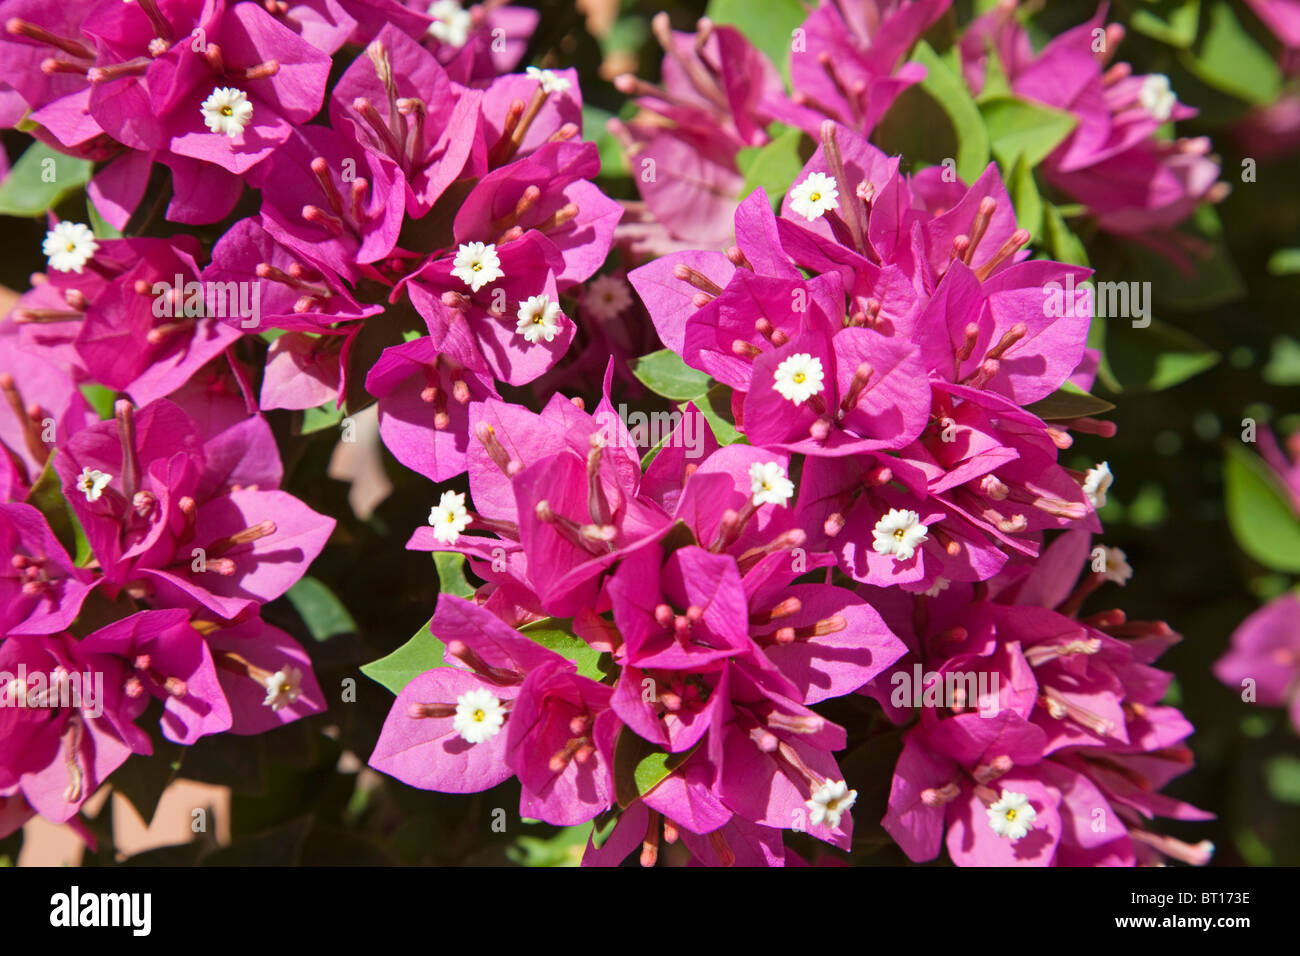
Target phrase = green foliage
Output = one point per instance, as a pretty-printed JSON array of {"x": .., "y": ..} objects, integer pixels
[
  {"x": 1260, "y": 513},
  {"x": 320, "y": 609},
  {"x": 768, "y": 25},
  {"x": 774, "y": 166},
  {"x": 39, "y": 179},
  {"x": 421, "y": 653}
]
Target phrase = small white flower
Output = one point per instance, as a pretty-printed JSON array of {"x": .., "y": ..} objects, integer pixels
[
  {"x": 551, "y": 81},
  {"x": 1116, "y": 568},
  {"x": 816, "y": 194},
  {"x": 899, "y": 533},
  {"x": 283, "y": 687},
  {"x": 227, "y": 110},
  {"x": 1156, "y": 97},
  {"x": 799, "y": 377},
  {"x": 1012, "y": 816},
  {"x": 830, "y": 802},
  {"x": 477, "y": 264},
  {"x": 69, "y": 246},
  {"x": 449, "y": 517},
  {"x": 479, "y": 715},
  {"x": 451, "y": 23},
  {"x": 539, "y": 318},
  {"x": 769, "y": 484},
  {"x": 607, "y": 297},
  {"x": 1096, "y": 483},
  {"x": 92, "y": 482}
]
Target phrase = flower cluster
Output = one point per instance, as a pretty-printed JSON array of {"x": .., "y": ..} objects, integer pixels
[{"x": 672, "y": 647}]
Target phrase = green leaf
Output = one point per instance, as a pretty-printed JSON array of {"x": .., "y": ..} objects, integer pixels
[
  {"x": 774, "y": 166},
  {"x": 41, "y": 177},
  {"x": 612, "y": 161},
  {"x": 655, "y": 766},
  {"x": 320, "y": 609},
  {"x": 567, "y": 646},
  {"x": 451, "y": 574},
  {"x": 664, "y": 373},
  {"x": 1024, "y": 196},
  {"x": 98, "y": 224},
  {"x": 1228, "y": 58},
  {"x": 101, "y": 399},
  {"x": 1283, "y": 775},
  {"x": 629, "y": 749},
  {"x": 1017, "y": 127},
  {"x": 320, "y": 418},
  {"x": 46, "y": 497},
  {"x": 1214, "y": 278},
  {"x": 768, "y": 25},
  {"x": 1169, "y": 21},
  {"x": 421, "y": 653},
  {"x": 564, "y": 849},
  {"x": 1156, "y": 357},
  {"x": 1064, "y": 404},
  {"x": 1284, "y": 262},
  {"x": 1065, "y": 245},
  {"x": 949, "y": 91},
  {"x": 1283, "y": 366},
  {"x": 715, "y": 406},
  {"x": 1260, "y": 512}
]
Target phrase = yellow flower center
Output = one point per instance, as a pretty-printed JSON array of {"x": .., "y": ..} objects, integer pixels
[
  {"x": 900, "y": 534},
  {"x": 479, "y": 715},
  {"x": 815, "y": 197},
  {"x": 477, "y": 266},
  {"x": 1011, "y": 815},
  {"x": 227, "y": 111},
  {"x": 72, "y": 247},
  {"x": 799, "y": 377}
]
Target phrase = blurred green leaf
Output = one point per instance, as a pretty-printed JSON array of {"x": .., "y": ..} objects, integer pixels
[
  {"x": 1024, "y": 196},
  {"x": 41, "y": 177},
  {"x": 563, "y": 849},
  {"x": 1228, "y": 58},
  {"x": 320, "y": 609},
  {"x": 949, "y": 91},
  {"x": 768, "y": 25},
  {"x": 612, "y": 161},
  {"x": 1169, "y": 21},
  {"x": 421, "y": 653},
  {"x": 1284, "y": 262},
  {"x": 1156, "y": 357},
  {"x": 1283, "y": 776},
  {"x": 1017, "y": 127},
  {"x": 1283, "y": 366},
  {"x": 98, "y": 224},
  {"x": 1065, "y": 245},
  {"x": 1260, "y": 512},
  {"x": 774, "y": 166},
  {"x": 664, "y": 373}
]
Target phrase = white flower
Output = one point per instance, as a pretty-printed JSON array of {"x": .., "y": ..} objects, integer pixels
[
  {"x": 539, "y": 318},
  {"x": 69, "y": 246},
  {"x": 449, "y": 517},
  {"x": 799, "y": 377},
  {"x": 1115, "y": 566},
  {"x": 92, "y": 482},
  {"x": 1012, "y": 816},
  {"x": 283, "y": 687},
  {"x": 899, "y": 533},
  {"x": 830, "y": 801},
  {"x": 1156, "y": 97},
  {"x": 816, "y": 194},
  {"x": 607, "y": 297},
  {"x": 1097, "y": 482},
  {"x": 479, "y": 715},
  {"x": 227, "y": 110},
  {"x": 769, "y": 484},
  {"x": 451, "y": 23},
  {"x": 476, "y": 264},
  {"x": 551, "y": 81}
]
